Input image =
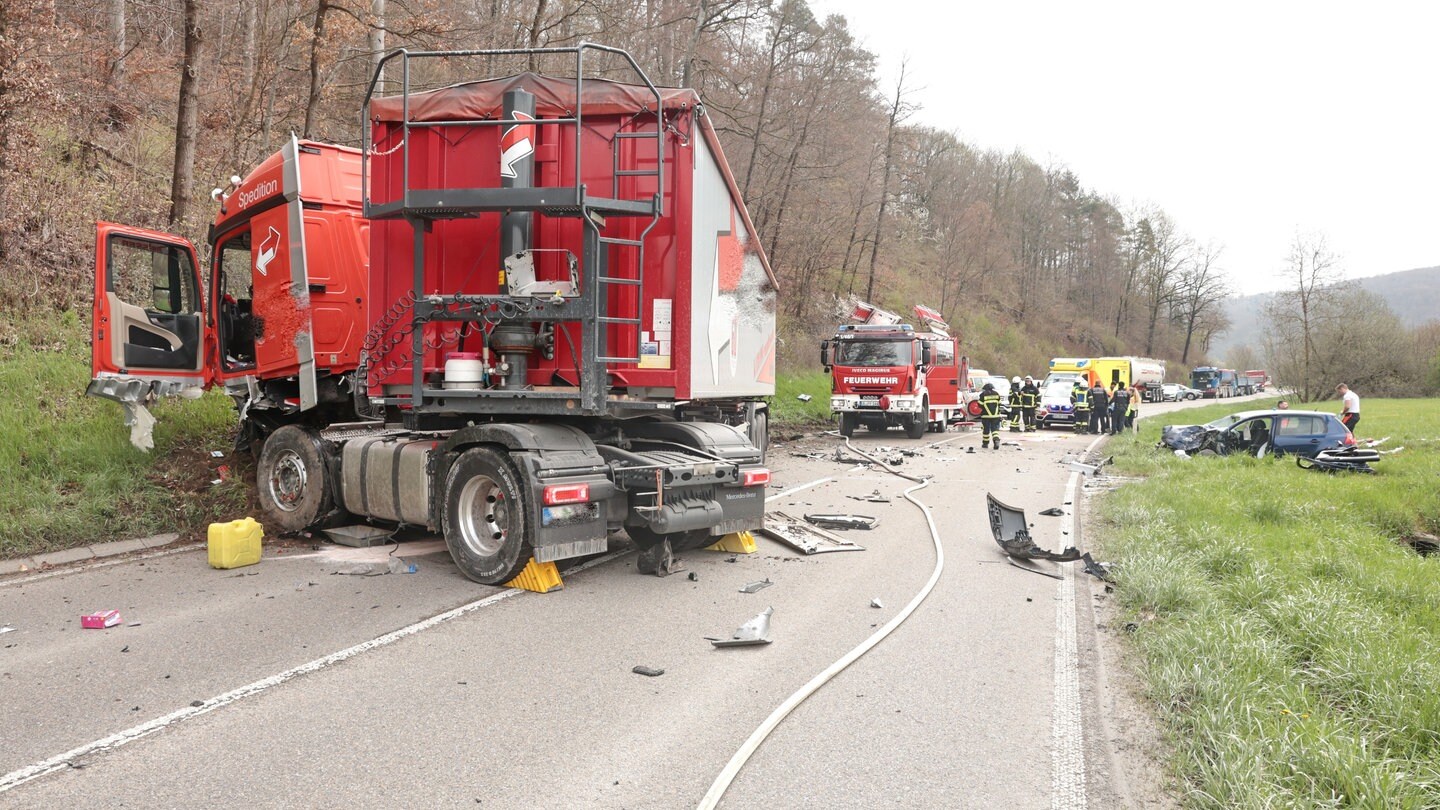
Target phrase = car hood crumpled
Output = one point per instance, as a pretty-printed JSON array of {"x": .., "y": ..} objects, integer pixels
[{"x": 1185, "y": 437}]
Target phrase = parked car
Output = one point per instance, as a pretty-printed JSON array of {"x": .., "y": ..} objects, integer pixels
[
  {"x": 1259, "y": 433},
  {"x": 1174, "y": 392}
]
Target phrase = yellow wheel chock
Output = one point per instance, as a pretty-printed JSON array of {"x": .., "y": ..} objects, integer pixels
[
  {"x": 735, "y": 543},
  {"x": 537, "y": 577}
]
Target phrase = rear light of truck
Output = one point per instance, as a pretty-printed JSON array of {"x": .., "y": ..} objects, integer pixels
[
  {"x": 755, "y": 478},
  {"x": 556, "y": 494}
]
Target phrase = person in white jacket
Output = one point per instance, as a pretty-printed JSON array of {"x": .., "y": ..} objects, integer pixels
[{"x": 1349, "y": 406}]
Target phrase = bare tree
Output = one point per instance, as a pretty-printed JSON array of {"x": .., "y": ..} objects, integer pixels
[
  {"x": 1313, "y": 278},
  {"x": 187, "y": 113},
  {"x": 1201, "y": 290},
  {"x": 899, "y": 111},
  {"x": 317, "y": 43}
]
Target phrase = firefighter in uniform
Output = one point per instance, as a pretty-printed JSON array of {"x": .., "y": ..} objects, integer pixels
[
  {"x": 1080, "y": 398},
  {"x": 1099, "y": 408},
  {"x": 990, "y": 416},
  {"x": 1016, "y": 405},
  {"x": 1029, "y": 400},
  {"x": 1119, "y": 408}
]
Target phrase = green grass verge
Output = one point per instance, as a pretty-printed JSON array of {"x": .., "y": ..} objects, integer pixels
[
  {"x": 1290, "y": 643},
  {"x": 787, "y": 410},
  {"x": 71, "y": 476}
]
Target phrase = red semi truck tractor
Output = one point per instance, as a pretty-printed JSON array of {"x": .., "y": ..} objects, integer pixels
[
  {"x": 528, "y": 313},
  {"x": 889, "y": 375}
]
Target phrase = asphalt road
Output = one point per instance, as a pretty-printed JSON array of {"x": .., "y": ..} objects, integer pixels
[{"x": 528, "y": 700}]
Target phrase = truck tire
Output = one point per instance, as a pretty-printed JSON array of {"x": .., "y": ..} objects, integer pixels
[
  {"x": 487, "y": 521},
  {"x": 915, "y": 428},
  {"x": 847, "y": 424},
  {"x": 292, "y": 481}
]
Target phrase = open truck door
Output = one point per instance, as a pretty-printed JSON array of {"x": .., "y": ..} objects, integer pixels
[{"x": 149, "y": 333}]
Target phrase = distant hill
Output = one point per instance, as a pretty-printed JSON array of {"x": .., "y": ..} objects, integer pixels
[{"x": 1413, "y": 294}]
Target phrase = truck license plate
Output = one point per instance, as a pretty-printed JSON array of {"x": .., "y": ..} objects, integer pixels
[{"x": 869, "y": 402}]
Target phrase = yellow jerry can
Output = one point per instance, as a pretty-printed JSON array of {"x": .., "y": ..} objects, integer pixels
[{"x": 235, "y": 544}]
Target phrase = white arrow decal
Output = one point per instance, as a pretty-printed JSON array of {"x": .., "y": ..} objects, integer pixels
[{"x": 268, "y": 250}]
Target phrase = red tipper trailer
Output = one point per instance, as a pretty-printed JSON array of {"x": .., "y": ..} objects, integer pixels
[{"x": 528, "y": 313}]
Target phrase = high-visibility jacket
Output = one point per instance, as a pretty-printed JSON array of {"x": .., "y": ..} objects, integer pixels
[
  {"x": 1029, "y": 395},
  {"x": 1080, "y": 398},
  {"x": 990, "y": 405},
  {"x": 1015, "y": 402}
]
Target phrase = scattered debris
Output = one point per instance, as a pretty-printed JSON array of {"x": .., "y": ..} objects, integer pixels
[
  {"x": 649, "y": 672},
  {"x": 843, "y": 521},
  {"x": 694, "y": 577},
  {"x": 659, "y": 560},
  {"x": 1348, "y": 459},
  {"x": 197, "y": 703},
  {"x": 7, "y": 629},
  {"x": 1422, "y": 544},
  {"x": 1033, "y": 569},
  {"x": 217, "y": 453},
  {"x": 1376, "y": 442},
  {"x": 803, "y": 537},
  {"x": 100, "y": 619},
  {"x": 1053, "y": 511},
  {"x": 803, "y": 397},
  {"x": 1012, "y": 533},
  {"x": 1095, "y": 569},
  {"x": 875, "y": 603},
  {"x": 359, "y": 536},
  {"x": 970, "y": 450},
  {"x": 757, "y": 586},
  {"x": 873, "y": 497},
  {"x": 755, "y": 631},
  {"x": 392, "y": 565}
]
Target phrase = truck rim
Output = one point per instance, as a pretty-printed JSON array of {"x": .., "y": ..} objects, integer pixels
[
  {"x": 287, "y": 481},
  {"x": 484, "y": 516}
]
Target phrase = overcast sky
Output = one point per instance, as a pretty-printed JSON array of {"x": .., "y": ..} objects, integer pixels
[{"x": 1246, "y": 122}]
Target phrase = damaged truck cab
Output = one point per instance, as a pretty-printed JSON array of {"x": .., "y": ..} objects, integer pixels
[{"x": 528, "y": 313}]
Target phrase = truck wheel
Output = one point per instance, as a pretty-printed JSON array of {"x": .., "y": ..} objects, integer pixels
[
  {"x": 645, "y": 537},
  {"x": 915, "y": 428},
  {"x": 291, "y": 480},
  {"x": 847, "y": 424},
  {"x": 487, "y": 522}
]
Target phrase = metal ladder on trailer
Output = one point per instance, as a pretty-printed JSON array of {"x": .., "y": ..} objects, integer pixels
[{"x": 605, "y": 278}]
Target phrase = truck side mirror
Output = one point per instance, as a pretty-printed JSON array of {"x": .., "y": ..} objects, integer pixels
[
  {"x": 825, "y": 354},
  {"x": 927, "y": 354}
]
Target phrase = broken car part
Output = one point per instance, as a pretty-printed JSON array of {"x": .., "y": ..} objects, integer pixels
[
  {"x": 649, "y": 672},
  {"x": 757, "y": 586},
  {"x": 1013, "y": 535},
  {"x": 755, "y": 631},
  {"x": 843, "y": 521},
  {"x": 803, "y": 537}
]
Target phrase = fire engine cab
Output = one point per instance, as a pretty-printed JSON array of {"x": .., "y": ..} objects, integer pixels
[{"x": 889, "y": 375}]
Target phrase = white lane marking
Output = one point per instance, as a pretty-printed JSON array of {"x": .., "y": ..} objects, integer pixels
[
  {"x": 1067, "y": 732},
  {"x": 16, "y": 778},
  {"x": 792, "y": 490},
  {"x": 102, "y": 563}
]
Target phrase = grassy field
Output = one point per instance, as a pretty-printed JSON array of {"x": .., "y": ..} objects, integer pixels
[
  {"x": 789, "y": 412},
  {"x": 70, "y": 474},
  {"x": 1289, "y": 639}
]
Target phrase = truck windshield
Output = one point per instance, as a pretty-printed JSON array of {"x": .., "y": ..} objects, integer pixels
[{"x": 873, "y": 353}]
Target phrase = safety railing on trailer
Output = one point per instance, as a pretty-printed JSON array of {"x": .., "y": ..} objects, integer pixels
[{"x": 597, "y": 277}]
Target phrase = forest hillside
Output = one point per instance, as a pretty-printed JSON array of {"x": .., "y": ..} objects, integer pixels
[{"x": 128, "y": 111}]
